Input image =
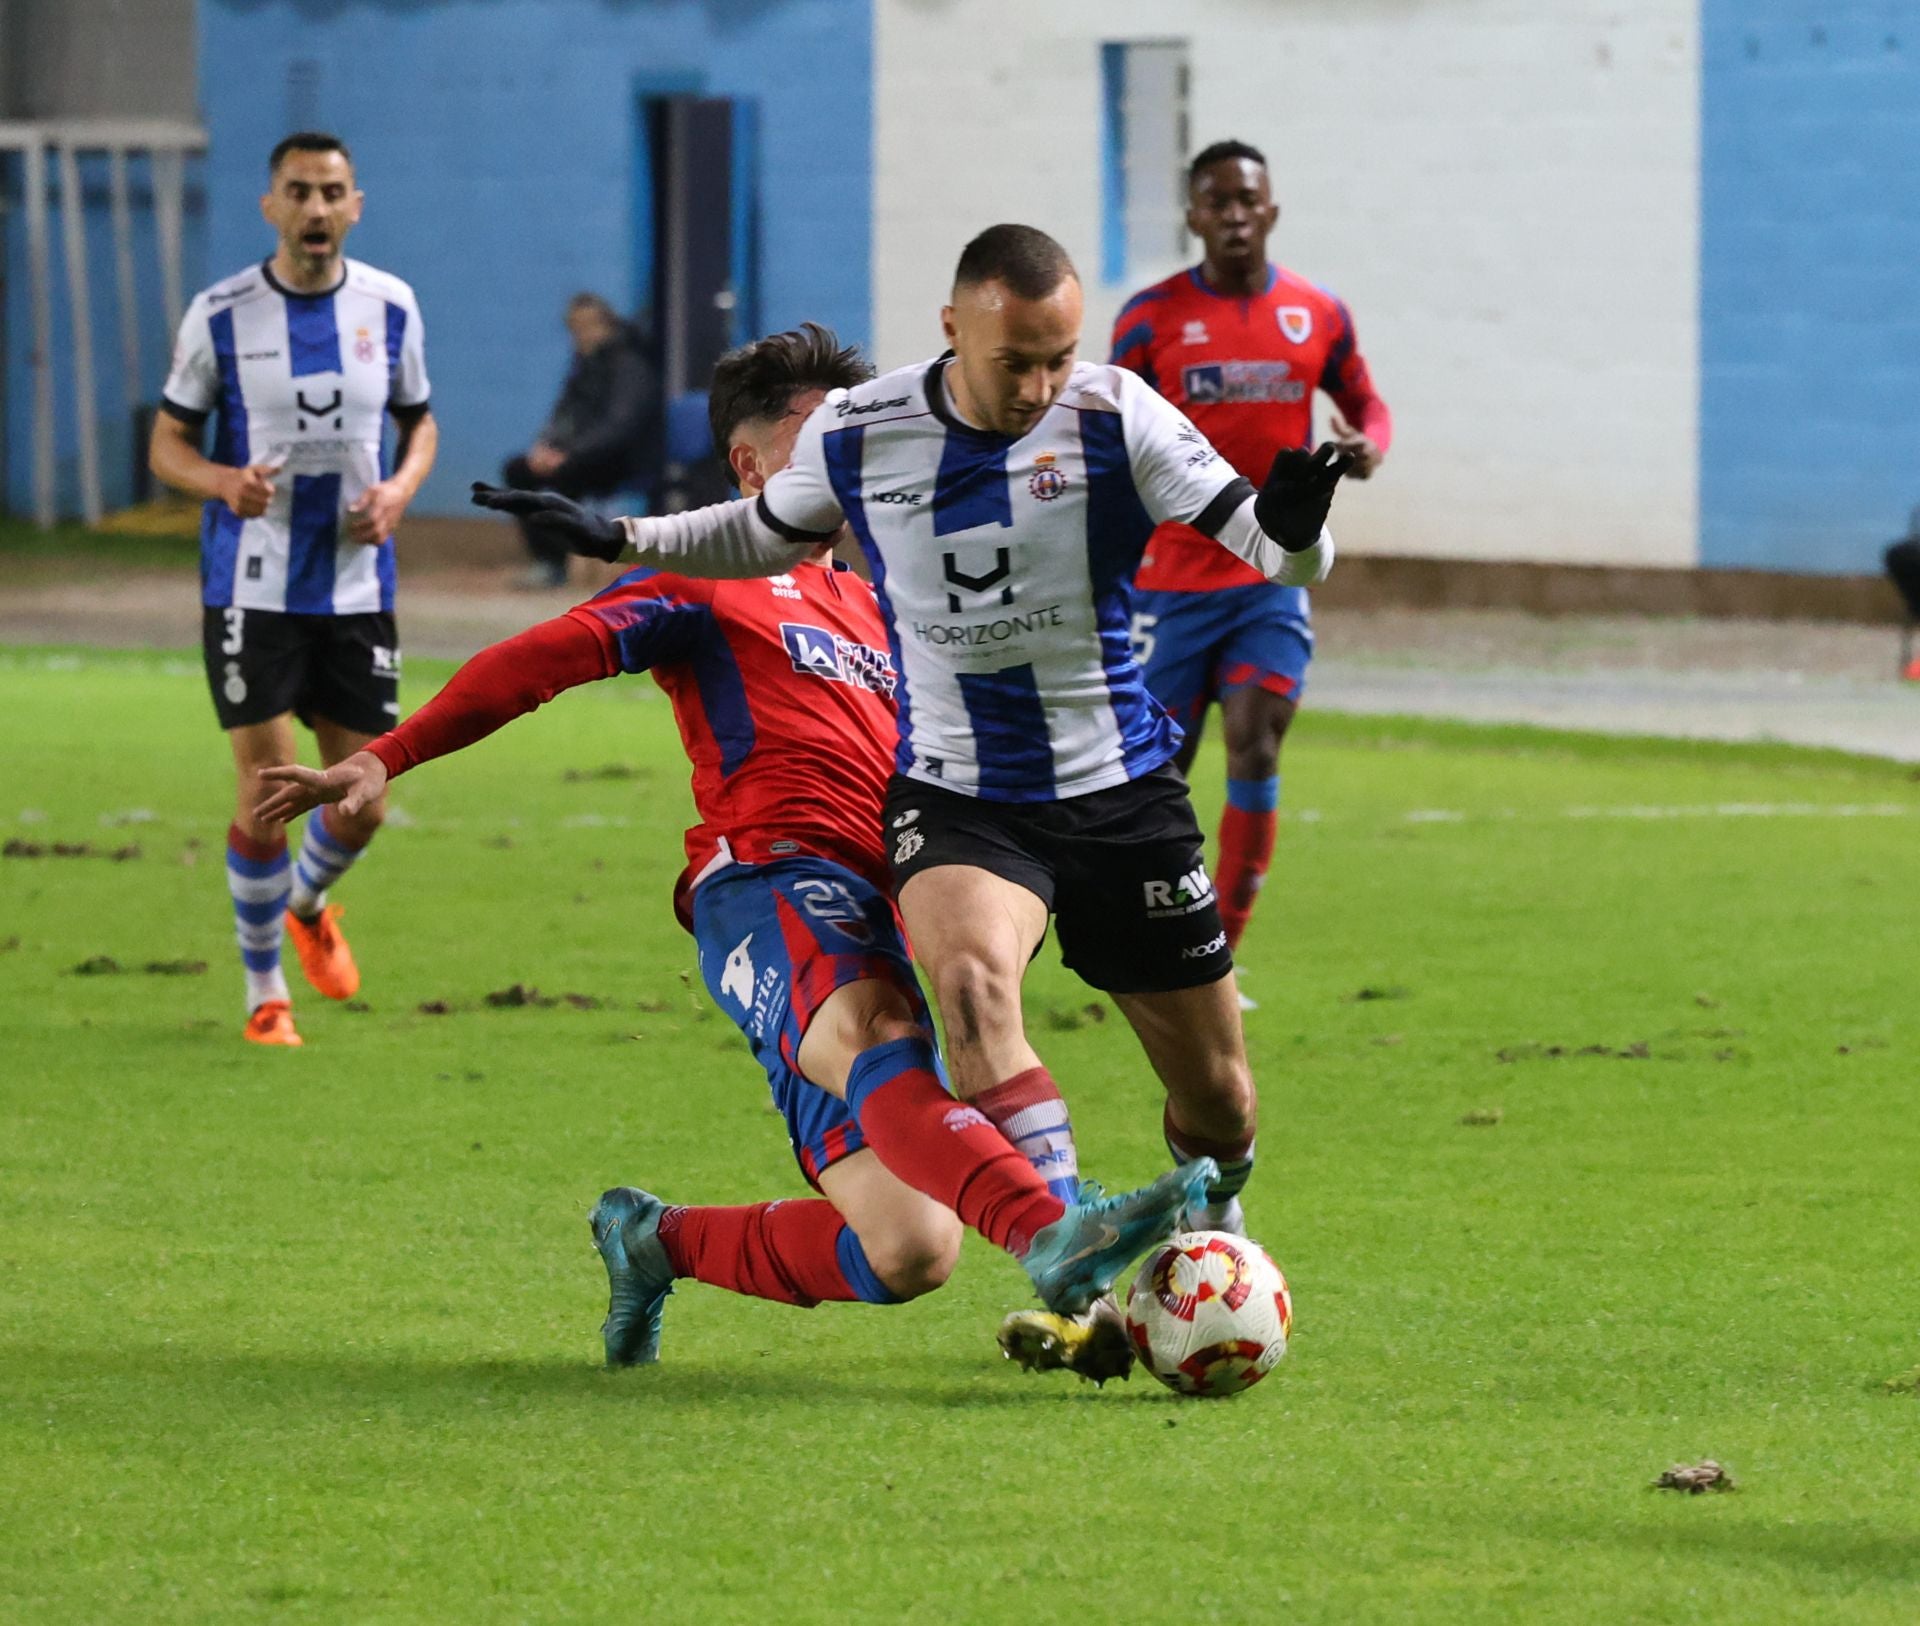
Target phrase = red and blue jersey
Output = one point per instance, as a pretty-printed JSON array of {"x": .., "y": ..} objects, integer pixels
[
  {"x": 1244, "y": 370},
  {"x": 782, "y": 688},
  {"x": 783, "y": 691}
]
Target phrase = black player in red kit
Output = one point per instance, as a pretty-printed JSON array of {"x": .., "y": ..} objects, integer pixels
[{"x": 1240, "y": 344}]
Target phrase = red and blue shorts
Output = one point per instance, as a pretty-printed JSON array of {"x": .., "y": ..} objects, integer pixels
[
  {"x": 776, "y": 940},
  {"x": 1194, "y": 647}
]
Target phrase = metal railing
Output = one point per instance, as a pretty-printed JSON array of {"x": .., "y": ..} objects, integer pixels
[{"x": 60, "y": 142}]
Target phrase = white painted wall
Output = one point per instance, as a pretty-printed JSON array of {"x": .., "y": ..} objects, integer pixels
[{"x": 1505, "y": 192}]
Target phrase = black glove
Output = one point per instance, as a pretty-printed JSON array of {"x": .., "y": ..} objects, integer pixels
[
  {"x": 554, "y": 518},
  {"x": 1293, "y": 504}
]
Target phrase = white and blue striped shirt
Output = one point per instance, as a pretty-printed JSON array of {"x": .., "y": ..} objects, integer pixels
[
  {"x": 1004, "y": 568},
  {"x": 304, "y": 381}
]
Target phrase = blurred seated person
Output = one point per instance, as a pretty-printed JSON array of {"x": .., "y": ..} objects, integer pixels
[
  {"x": 1903, "y": 565},
  {"x": 603, "y": 434}
]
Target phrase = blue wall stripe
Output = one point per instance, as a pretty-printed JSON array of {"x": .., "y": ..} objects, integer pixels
[
  {"x": 313, "y": 336},
  {"x": 553, "y": 169},
  {"x": 1010, "y": 740},
  {"x": 314, "y": 539},
  {"x": 1809, "y": 324},
  {"x": 1113, "y": 162},
  {"x": 971, "y": 487}
]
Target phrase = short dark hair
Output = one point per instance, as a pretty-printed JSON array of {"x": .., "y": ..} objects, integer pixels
[
  {"x": 757, "y": 382},
  {"x": 306, "y": 141},
  {"x": 597, "y": 303},
  {"x": 1025, "y": 260},
  {"x": 1219, "y": 153}
]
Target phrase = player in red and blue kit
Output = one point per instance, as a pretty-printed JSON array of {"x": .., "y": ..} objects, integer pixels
[
  {"x": 1240, "y": 345},
  {"x": 783, "y": 690}
]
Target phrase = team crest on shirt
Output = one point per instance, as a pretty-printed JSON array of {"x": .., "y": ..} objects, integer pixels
[
  {"x": 1046, "y": 482},
  {"x": 362, "y": 345},
  {"x": 1296, "y": 322}
]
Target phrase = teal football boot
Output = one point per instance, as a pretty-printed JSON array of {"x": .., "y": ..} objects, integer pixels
[
  {"x": 1081, "y": 1254},
  {"x": 626, "y": 1230}
]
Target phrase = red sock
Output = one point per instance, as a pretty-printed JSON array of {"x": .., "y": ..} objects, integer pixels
[
  {"x": 945, "y": 1148},
  {"x": 1246, "y": 849},
  {"x": 785, "y": 1251}
]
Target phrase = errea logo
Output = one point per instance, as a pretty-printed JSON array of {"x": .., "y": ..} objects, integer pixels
[
  {"x": 784, "y": 587},
  {"x": 1192, "y": 891}
]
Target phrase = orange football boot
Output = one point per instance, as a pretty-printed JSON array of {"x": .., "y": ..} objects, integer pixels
[
  {"x": 272, "y": 1023},
  {"x": 324, "y": 955},
  {"x": 1912, "y": 672}
]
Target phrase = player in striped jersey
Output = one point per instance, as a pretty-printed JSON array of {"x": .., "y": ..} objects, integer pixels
[
  {"x": 1241, "y": 345},
  {"x": 784, "y": 694},
  {"x": 1003, "y": 494},
  {"x": 300, "y": 360}
]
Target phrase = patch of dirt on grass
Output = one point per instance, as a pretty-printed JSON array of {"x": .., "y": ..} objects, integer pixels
[{"x": 1695, "y": 1479}]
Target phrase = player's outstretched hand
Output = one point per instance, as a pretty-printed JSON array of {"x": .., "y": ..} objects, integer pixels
[
  {"x": 294, "y": 790},
  {"x": 1293, "y": 504},
  {"x": 558, "y": 519}
]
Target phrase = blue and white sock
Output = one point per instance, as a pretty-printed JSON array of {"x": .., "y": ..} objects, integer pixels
[
  {"x": 1030, "y": 1111},
  {"x": 323, "y": 859},
  {"x": 259, "y": 877}
]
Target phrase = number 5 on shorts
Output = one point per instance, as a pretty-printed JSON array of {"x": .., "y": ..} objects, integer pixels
[{"x": 1142, "y": 635}]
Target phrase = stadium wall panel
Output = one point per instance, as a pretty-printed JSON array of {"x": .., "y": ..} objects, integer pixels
[
  {"x": 119, "y": 439},
  {"x": 496, "y": 144},
  {"x": 1809, "y": 282},
  {"x": 1507, "y": 194}
]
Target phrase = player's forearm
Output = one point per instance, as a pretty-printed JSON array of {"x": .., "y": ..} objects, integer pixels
[
  {"x": 736, "y": 539},
  {"x": 182, "y": 465},
  {"x": 505, "y": 681},
  {"x": 1242, "y": 536},
  {"x": 1368, "y": 413}
]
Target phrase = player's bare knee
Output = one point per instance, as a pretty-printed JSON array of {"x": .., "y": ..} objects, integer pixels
[
  {"x": 1258, "y": 760},
  {"x": 917, "y": 1255}
]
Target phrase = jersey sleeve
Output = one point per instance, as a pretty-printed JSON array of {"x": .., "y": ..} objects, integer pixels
[
  {"x": 799, "y": 502},
  {"x": 648, "y": 618},
  {"x": 407, "y": 389},
  {"x": 1176, "y": 471},
  {"x": 502, "y": 682},
  {"x": 1345, "y": 378},
  {"x": 193, "y": 383},
  {"x": 1133, "y": 335}
]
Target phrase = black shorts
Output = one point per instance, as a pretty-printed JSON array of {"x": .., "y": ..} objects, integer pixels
[
  {"x": 1123, "y": 871},
  {"x": 261, "y": 663}
]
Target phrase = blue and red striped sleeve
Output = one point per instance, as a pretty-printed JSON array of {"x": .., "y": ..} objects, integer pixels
[
  {"x": 1133, "y": 333},
  {"x": 1345, "y": 377},
  {"x": 649, "y": 617}
]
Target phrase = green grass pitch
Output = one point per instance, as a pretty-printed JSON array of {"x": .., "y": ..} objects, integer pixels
[{"x": 314, "y": 1335}]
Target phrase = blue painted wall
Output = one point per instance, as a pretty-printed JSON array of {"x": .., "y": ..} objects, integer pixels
[
  {"x": 118, "y": 448},
  {"x": 496, "y": 143},
  {"x": 1809, "y": 281}
]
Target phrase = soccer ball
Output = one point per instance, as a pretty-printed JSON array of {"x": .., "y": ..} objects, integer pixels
[{"x": 1209, "y": 1313}]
